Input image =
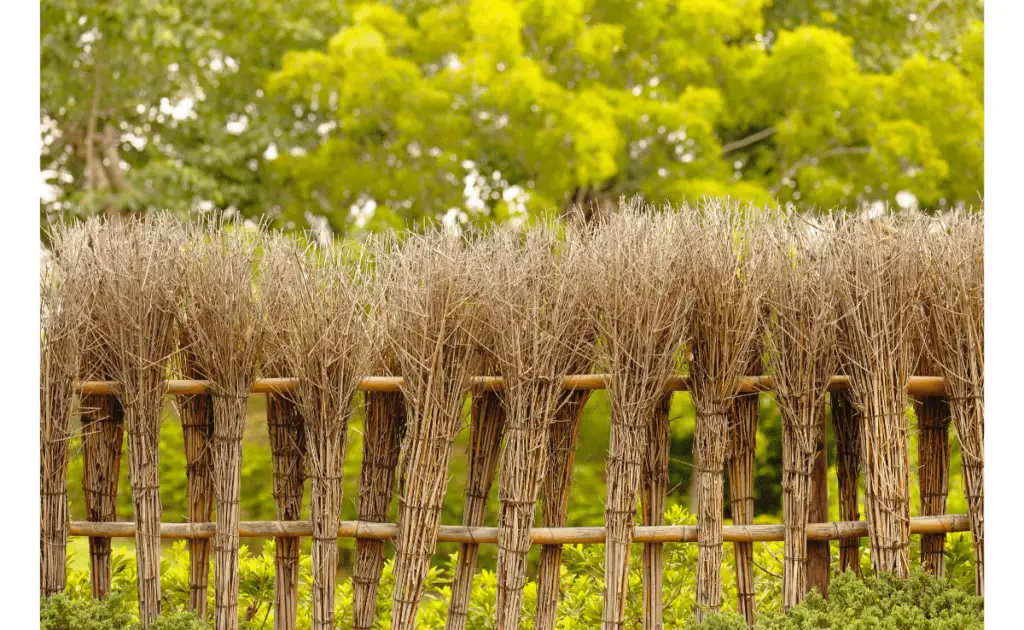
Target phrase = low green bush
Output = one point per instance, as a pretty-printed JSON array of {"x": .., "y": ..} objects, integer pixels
[
  {"x": 67, "y": 612},
  {"x": 885, "y": 602},
  {"x": 882, "y": 602}
]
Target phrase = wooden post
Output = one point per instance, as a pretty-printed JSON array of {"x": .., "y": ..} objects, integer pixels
[
  {"x": 652, "y": 509},
  {"x": 196, "y": 413},
  {"x": 565, "y": 432},
  {"x": 933, "y": 419},
  {"x": 383, "y": 428},
  {"x": 742, "y": 448},
  {"x": 846, "y": 422},
  {"x": 486, "y": 430},
  {"x": 288, "y": 453},
  {"x": 102, "y": 443},
  {"x": 818, "y": 555}
]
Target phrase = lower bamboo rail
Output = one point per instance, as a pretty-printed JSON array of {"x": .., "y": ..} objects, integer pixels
[
  {"x": 540, "y": 535},
  {"x": 918, "y": 385}
]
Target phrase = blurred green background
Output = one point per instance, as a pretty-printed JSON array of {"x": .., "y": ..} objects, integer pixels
[{"x": 347, "y": 117}]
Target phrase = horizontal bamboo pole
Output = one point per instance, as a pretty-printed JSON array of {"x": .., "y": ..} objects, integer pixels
[
  {"x": 918, "y": 386},
  {"x": 541, "y": 535}
]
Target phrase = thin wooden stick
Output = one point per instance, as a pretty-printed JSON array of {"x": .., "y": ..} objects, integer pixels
[
  {"x": 956, "y": 311},
  {"x": 916, "y": 386},
  {"x": 835, "y": 530},
  {"x": 880, "y": 289}
]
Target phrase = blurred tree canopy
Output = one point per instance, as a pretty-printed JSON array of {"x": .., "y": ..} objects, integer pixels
[{"x": 381, "y": 113}]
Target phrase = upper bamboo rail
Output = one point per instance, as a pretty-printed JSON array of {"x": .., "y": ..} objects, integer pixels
[
  {"x": 918, "y": 385},
  {"x": 540, "y": 535}
]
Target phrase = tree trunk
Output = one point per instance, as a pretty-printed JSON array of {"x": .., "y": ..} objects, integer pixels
[{"x": 102, "y": 443}]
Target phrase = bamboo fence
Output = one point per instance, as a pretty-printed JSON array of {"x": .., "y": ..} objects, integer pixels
[{"x": 309, "y": 327}]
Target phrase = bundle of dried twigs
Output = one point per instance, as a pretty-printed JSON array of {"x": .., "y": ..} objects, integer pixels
[
  {"x": 287, "y": 434},
  {"x": 652, "y": 508},
  {"x": 327, "y": 347},
  {"x": 227, "y": 325},
  {"x": 102, "y": 444},
  {"x": 879, "y": 283},
  {"x": 534, "y": 305},
  {"x": 383, "y": 429},
  {"x": 562, "y": 439},
  {"x": 137, "y": 267},
  {"x": 429, "y": 289},
  {"x": 196, "y": 413},
  {"x": 642, "y": 306},
  {"x": 486, "y": 431},
  {"x": 740, "y": 466},
  {"x": 63, "y": 318},
  {"x": 723, "y": 331},
  {"x": 802, "y": 355},
  {"x": 955, "y": 302}
]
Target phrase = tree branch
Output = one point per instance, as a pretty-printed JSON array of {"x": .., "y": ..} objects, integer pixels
[{"x": 749, "y": 140}]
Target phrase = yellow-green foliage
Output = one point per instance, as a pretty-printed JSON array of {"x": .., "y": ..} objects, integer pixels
[{"x": 922, "y": 602}]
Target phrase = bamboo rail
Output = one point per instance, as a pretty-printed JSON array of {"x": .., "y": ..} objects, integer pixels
[
  {"x": 540, "y": 535},
  {"x": 918, "y": 385}
]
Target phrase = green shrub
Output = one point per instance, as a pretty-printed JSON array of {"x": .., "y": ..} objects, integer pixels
[
  {"x": 68, "y": 612},
  {"x": 921, "y": 602},
  {"x": 884, "y": 603}
]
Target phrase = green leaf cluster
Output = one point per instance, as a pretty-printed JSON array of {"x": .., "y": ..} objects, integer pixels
[{"x": 382, "y": 113}]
